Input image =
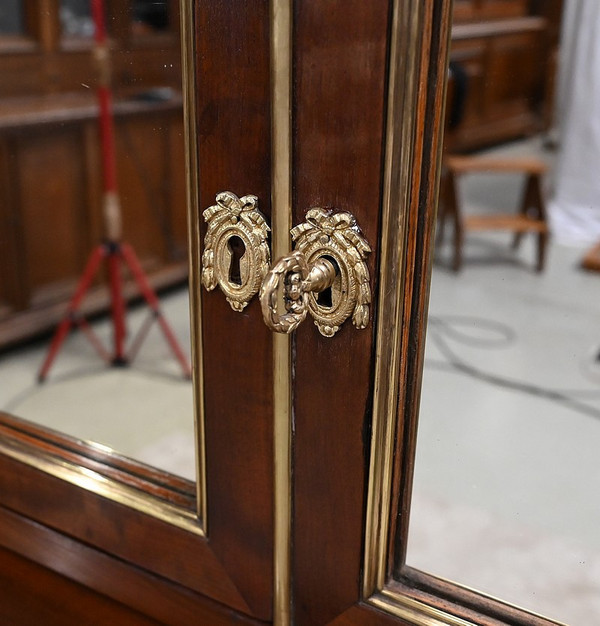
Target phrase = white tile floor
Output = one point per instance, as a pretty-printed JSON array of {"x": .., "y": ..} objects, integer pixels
[
  {"x": 507, "y": 484},
  {"x": 144, "y": 411}
]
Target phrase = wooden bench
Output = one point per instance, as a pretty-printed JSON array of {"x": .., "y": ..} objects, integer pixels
[{"x": 530, "y": 218}]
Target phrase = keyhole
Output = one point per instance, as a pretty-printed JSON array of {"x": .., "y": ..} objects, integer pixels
[
  {"x": 325, "y": 297},
  {"x": 238, "y": 249}
]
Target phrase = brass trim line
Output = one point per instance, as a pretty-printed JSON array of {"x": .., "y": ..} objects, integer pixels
[
  {"x": 101, "y": 485},
  {"x": 188, "y": 55},
  {"x": 421, "y": 614},
  {"x": 400, "y": 185},
  {"x": 281, "y": 223},
  {"x": 398, "y": 168},
  {"x": 413, "y": 611}
]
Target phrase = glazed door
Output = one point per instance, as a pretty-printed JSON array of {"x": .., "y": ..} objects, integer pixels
[
  {"x": 313, "y": 126},
  {"x": 317, "y": 128}
]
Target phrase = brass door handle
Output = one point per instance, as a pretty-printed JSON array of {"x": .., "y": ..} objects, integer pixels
[{"x": 325, "y": 276}]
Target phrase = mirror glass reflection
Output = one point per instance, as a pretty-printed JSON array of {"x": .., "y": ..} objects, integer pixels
[
  {"x": 11, "y": 18},
  {"x": 136, "y": 400},
  {"x": 507, "y": 471}
]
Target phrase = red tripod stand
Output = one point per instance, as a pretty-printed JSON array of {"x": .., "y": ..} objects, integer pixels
[{"x": 113, "y": 250}]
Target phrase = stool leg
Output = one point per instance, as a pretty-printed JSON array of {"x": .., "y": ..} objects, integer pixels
[
  {"x": 537, "y": 200},
  {"x": 442, "y": 211},
  {"x": 541, "y": 251},
  {"x": 529, "y": 200},
  {"x": 453, "y": 210}
]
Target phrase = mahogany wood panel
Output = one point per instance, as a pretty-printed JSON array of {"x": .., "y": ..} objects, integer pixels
[
  {"x": 125, "y": 533},
  {"x": 339, "y": 101},
  {"x": 111, "y": 580},
  {"x": 31, "y": 595},
  {"x": 176, "y": 191},
  {"x": 365, "y": 615},
  {"x": 233, "y": 95},
  {"x": 470, "y": 10},
  {"x": 508, "y": 50},
  {"x": 505, "y": 76},
  {"x": 51, "y": 176},
  {"x": 12, "y": 268},
  {"x": 151, "y": 480},
  {"x": 142, "y": 145}
]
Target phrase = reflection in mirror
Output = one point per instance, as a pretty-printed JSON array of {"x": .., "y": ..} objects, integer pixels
[
  {"x": 11, "y": 17},
  {"x": 150, "y": 16},
  {"x": 76, "y": 18},
  {"x": 52, "y": 219},
  {"x": 507, "y": 473}
]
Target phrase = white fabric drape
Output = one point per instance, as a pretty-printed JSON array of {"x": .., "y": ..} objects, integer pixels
[{"x": 575, "y": 205}]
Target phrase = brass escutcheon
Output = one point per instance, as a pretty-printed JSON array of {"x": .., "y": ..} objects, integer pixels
[
  {"x": 329, "y": 259},
  {"x": 235, "y": 220}
]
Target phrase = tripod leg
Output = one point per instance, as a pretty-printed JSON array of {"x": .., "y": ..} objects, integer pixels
[
  {"x": 117, "y": 304},
  {"x": 67, "y": 322},
  {"x": 152, "y": 300}
]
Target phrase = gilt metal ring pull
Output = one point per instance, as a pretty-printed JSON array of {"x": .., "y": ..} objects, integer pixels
[
  {"x": 325, "y": 276},
  {"x": 293, "y": 275}
]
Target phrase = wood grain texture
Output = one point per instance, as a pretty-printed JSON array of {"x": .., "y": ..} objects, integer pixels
[
  {"x": 505, "y": 48},
  {"x": 31, "y": 595},
  {"x": 365, "y": 615},
  {"x": 339, "y": 85},
  {"x": 45, "y": 590},
  {"x": 421, "y": 214},
  {"x": 233, "y": 78},
  {"x": 125, "y": 533}
]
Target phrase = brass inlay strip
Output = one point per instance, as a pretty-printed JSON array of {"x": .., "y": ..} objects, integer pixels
[
  {"x": 415, "y": 612},
  {"x": 398, "y": 167},
  {"x": 281, "y": 223},
  {"x": 188, "y": 49},
  {"x": 103, "y": 486}
]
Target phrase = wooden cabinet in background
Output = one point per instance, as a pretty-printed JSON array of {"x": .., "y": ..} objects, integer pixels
[
  {"x": 503, "y": 58},
  {"x": 50, "y": 173}
]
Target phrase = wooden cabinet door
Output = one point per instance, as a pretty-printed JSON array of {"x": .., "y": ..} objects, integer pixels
[
  {"x": 335, "y": 105},
  {"x": 305, "y": 442}
]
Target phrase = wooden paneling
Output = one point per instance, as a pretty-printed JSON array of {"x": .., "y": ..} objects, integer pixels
[
  {"x": 31, "y": 595},
  {"x": 340, "y": 74},
  {"x": 81, "y": 582},
  {"x": 504, "y": 67},
  {"x": 51, "y": 217},
  {"x": 50, "y": 190},
  {"x": 234, "y": 135},
  {"x": 507, "y": 51},
  {"x": 50, "y": 176},
  {"x": 470, "y": 10}
]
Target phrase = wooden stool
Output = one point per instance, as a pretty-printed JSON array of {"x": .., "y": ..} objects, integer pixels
[{"x": 531, "y": 217}]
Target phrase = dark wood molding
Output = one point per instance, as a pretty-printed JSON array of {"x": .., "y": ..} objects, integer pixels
[{"x": 99, "y": 576}]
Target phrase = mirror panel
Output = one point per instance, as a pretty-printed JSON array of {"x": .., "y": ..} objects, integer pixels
[
  {"x": 11, "y": 18},
  {"x": 52, "y": 221},
  {"x": 507, "y": 470}
]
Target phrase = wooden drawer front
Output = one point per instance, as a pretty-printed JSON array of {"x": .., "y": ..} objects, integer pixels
[
  {"x": 514, "y": 73},
  {"x": 470, "y": 10}
]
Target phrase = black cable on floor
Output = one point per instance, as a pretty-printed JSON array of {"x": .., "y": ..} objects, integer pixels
[{"x": 438, "y": 326}]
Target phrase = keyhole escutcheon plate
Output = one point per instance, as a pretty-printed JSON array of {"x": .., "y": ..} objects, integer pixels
[
  {"x": 233, "y": 224},
  {"x": 336, "y": 238}
]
